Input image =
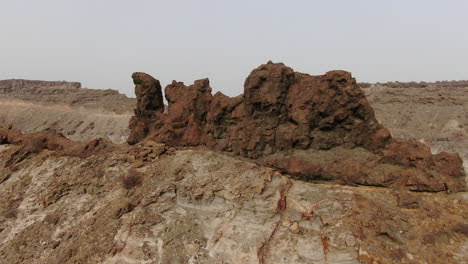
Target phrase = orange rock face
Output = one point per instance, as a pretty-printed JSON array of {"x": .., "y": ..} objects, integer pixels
[{"x": 282, "y": 112}]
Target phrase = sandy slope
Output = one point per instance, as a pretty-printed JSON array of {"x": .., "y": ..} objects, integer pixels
[{"x": 77, "y": 123}]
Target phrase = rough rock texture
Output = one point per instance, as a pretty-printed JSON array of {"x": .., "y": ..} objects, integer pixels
[
  {"x": 149, "y": 103},
  {"x": 149, "y": 95},
  {"x": 78, "y": 113},
  {"x": 198, "y": 206},
  {"x": 283, "y": 119},
  {"x": 280, "y": 110}
]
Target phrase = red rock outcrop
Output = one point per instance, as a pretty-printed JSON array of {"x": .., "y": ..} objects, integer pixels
[
  {"x": 280, "y": 110},
  {"x": 283, "y": 112}
]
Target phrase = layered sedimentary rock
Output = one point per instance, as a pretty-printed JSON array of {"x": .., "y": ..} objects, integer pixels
[{"x": 293, "y": 121}]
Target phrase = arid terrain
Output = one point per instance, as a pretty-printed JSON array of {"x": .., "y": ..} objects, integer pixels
[
  {"x": 78, "y": 113},
  {"x": 298, "y": 169}
]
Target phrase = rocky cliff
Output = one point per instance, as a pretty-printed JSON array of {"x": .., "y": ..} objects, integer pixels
[{"x": 313, "y": 127}]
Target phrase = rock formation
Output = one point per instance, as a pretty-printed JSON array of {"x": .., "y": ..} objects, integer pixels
[
  {"x": 149, "y": 95},
  {"x": 279, "y": 111},
  {"x": 149, "y": 103},
  {"x": 283, "y": 119}
]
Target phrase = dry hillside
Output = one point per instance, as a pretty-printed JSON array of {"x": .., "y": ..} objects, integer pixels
[{"x": 79, "y": 113}]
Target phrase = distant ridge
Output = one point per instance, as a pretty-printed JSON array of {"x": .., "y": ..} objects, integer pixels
[{"x": 397, "y": 84}]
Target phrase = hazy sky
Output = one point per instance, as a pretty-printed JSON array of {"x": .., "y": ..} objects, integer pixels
[{"x": 101, "y": 42}]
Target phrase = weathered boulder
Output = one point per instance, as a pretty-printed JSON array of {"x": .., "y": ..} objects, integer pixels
[{"x": 282, "y": 113}]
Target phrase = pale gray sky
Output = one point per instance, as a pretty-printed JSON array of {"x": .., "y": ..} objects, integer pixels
[{"x": 101, "y": 42}]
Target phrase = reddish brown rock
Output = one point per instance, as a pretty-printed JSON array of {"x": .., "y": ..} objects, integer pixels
[
  {"x": 51, "y": 140},
  {"x": 362, "y": 167},
  {"x": 409, "y": 153},
  {"x": 280, "y": 110},
  {"x": 149, "y": 103},
  {"x": 283, "y": 112},
  {"x": 188, "y": 108},
  {"x": 449, "y": 164},
  {"x": 149, "y": 95}
]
